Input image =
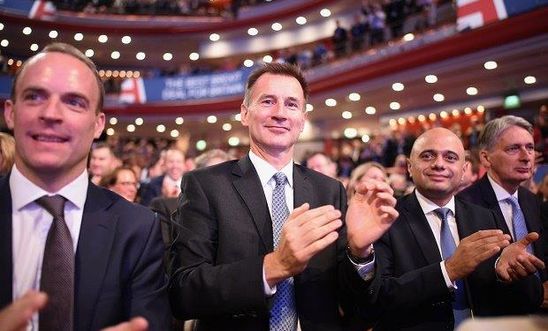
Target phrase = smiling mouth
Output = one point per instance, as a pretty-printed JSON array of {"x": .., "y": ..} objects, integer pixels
[
  {"x": 277, "y": 127},
  {"x": 49, "y": 138}
]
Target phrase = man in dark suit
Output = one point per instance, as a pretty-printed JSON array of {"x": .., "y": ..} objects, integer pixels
[
  {"x": 436, "y": 264},
  {"x": 95, "y": 255},
  {"x": 169, "y": 184},
  {"x": 507, "y": 152},
  {"x": 245, "y": 258}
]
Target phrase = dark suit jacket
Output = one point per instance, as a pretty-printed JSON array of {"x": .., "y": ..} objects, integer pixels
[
  {"x": 118, "y": 263},
  {"x": 226, "y": 233},
  {"x": 481, "y": 193},
  {"x": 409, "y": 287},
  {"x": 151, "y": 190}
]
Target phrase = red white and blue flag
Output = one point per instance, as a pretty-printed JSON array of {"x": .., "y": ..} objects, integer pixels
[
  {"x": 472, "y": 14},
  {"x": 133, "y": 91},
  {"x": 42, "y": 10}
]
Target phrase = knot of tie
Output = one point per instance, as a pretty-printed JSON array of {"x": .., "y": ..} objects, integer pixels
[
  {"x": 55, "y": 205},
  {"x": 512, "y": 200},
  {"x": 280, "y": 178},
  {"x": 443, "y": 213}
]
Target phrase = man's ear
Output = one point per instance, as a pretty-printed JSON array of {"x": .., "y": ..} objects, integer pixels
[
  {"x": 244, "y": 111},
  {"x": 9, "y": 113},
  {"x": 409, "y": 167},
  {"x": 485, "y": 158}
]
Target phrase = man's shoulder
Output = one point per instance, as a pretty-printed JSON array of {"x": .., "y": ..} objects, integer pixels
[
  {"x": 475, "y": 193},
  {"x": 317, "y": 177},
  {"x": 116, "y": 204}
]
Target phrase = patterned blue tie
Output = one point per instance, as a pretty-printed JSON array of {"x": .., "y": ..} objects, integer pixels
[
  {"x": 518, "y": 221},
  {"x": 448, "y": 247},
  {"x": 283, "y": 315}
]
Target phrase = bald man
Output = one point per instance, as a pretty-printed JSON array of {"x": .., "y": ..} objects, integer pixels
[{"x": 436, "y": 264}]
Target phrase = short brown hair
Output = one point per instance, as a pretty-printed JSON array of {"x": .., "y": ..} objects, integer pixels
[
  {"x": 71, "y": 51},
  {"x": 283, "y": 69},
  {"x": 7, "y": 153}
]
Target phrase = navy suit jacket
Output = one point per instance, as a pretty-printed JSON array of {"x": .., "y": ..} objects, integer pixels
[
  {"x": 227, "y": 231},
  {"x": 151, "y": 190},
  {"x": 118, "y": 262},
  {"x": 410, "y": 292},
  {"x": 481, "y": 193}
]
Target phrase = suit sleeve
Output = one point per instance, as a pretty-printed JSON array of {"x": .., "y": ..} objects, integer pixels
[
  {"x": 199, "y": 287},
  {"x": 148, "y": 297}
]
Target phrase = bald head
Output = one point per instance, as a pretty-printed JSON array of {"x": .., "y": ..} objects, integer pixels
[{"x": 437, "y": 164}]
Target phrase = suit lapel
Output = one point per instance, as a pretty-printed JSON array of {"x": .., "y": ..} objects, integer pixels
[
  {"x": 418, "y": 224},
  {"x": 302, "y": 188},
  {"x": 6, "y": 269},
  {"x": 247, "y": 183},
  {"x": 463, "y": 219},
  {"x": 94, "y": 246},
  {"x": 490, "y": 199}
]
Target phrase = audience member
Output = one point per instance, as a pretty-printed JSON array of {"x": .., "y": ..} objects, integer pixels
[
  {"x": 100, "y": 263},
  {"x": 102, "y": 162},
  {"x": 363, "y": 172},
  {"x": 123, "y": 181},
  {"x": 340, "y": 38},
  {"x": 322, "y": 163},
  {"x": 471, "y": 172},
  {"x": 436, "y": 264},
  {"x": 7, "y": 153},
  {"x": 169, "y": 184},
  {"x": 262, "y": 241}
]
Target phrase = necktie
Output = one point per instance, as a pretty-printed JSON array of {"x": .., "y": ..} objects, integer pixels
[
  {"x": 57, "y": 269},
  {"x": 448, "y": 247},
  {"x": 283, "y": 315},
  {"x": 518, "y": 221}
]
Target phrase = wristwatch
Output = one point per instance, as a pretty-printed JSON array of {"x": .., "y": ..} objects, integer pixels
[{"x": 361, "y": 260}]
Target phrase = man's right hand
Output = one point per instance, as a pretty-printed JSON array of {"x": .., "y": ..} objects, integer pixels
[
  {"x": 305, "y": 233},
  {"x": 473, "y": 250}
]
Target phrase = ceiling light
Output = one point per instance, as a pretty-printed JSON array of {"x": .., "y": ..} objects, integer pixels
[
  {"x": 309, "y": 107},
  {"x": 401, "y": 121},
  {"x": 248, "y": 63},
  {"x": 78, "y": 36},
  {"x": 122, "y": 74},
  {"x": 421, "y": 118},
  {"x": 444, "y": 114},
  {"x": 530, "y": 80},
  {"x": 276, "y": 26},
  {"x": 366, "y": 138},
  {"x": 468, "y": 110},
  {"x": 174, "y": 133},
  {"x": 136, "y": 74},
  {"x": 431, "y": 79},
  {"x": 89, "y": 52},
  {"x": 471, "y": 90},
  {"x": 139, "y": 121},
  {"x": 438, "y": 97},
  {"x": 395, "y": 105},
  {"x": 354, "y": 96},
  {"x": 325, "y": 12},
  {"x": 346, "y": 115},
  {"x": 161, "y": 128},
  {"x": 398, "y": 87},
  {"x": 194, "y": 56},
  {"x": 129, "y": 74},
  {"x": 115, "y": 55},
  {"x": 393, "y": 122},
  {"x": 167, "y": 56},
  {"x": 408, "y": 37},
  {"x": 214, "y": 37},
  {"x": 301, "y": 20},
  {"x": 212, "y": 119},
  {"x": 4, "y": 43},
  {"x": 350, "y": 133},
  {"x": 432, "y": 117},
  {"x": 113, "y": 121},
  {"x": 108, "y": 73},
  {"x": 330, "y": 102},
  {"x": 201, "y": 145},
  {"x": 238, "y": 117},
  {"x": 126, "y": 40},
  {"x": 130, "y": 128},
  {"x": 252, "y": 31},
  {"x": 102, "y": 38},
  {"x": 267, "y": 59},
  {"x": 53, "y": 34},
  {"x": 110, "y": 132},
  {"x": 455, "y": 112},
  {"x": 18, "y": 63},
  {"x": 27, "y": 30},
  {"x": 34, "y": 47},
  {"x": 490, "y": 65},
  {"x": 370, "y": 110},
  {"x": 140, "y": 56},
  {"x": 481, "y": 109},
  {"x": 227, "y": 126},
  {"x": 411, "y": 119},
  {"x": 233, "y": 141},
  {"x": 1, "y": 26},
  {"x": 179, "y": 120}
]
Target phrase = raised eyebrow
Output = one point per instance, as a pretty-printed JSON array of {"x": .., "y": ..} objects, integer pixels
[{"x": 34, "y": 89}]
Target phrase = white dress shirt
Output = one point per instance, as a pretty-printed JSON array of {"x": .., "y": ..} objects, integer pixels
[
  {"x": 434, "y": 221},
  {"x": 30, "y": 226},
  {"x": 505, "y": 206}
]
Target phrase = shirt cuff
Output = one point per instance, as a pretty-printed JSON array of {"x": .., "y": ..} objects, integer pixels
[
  {"x": 268, "y": 291},
  {"x": 365, "y": 270},
  {"x": 448, "y": 282}
]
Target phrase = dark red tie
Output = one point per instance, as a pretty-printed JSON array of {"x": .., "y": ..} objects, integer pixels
[{"x": 57, "y": 270}]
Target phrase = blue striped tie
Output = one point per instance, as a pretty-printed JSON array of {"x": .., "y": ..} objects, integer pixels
[
  {"x": 283, "y": 315},
  {"x": 448, "y": 247},
  {"x": 518, "y": 221}
]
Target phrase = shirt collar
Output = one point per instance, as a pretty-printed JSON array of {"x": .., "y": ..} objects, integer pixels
[
  {"x": 23, "y": 191},
  {"x": 500, "y": 192},
  {"x": 265, "y": 170},
  {"x": 428, "y": 206}
]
